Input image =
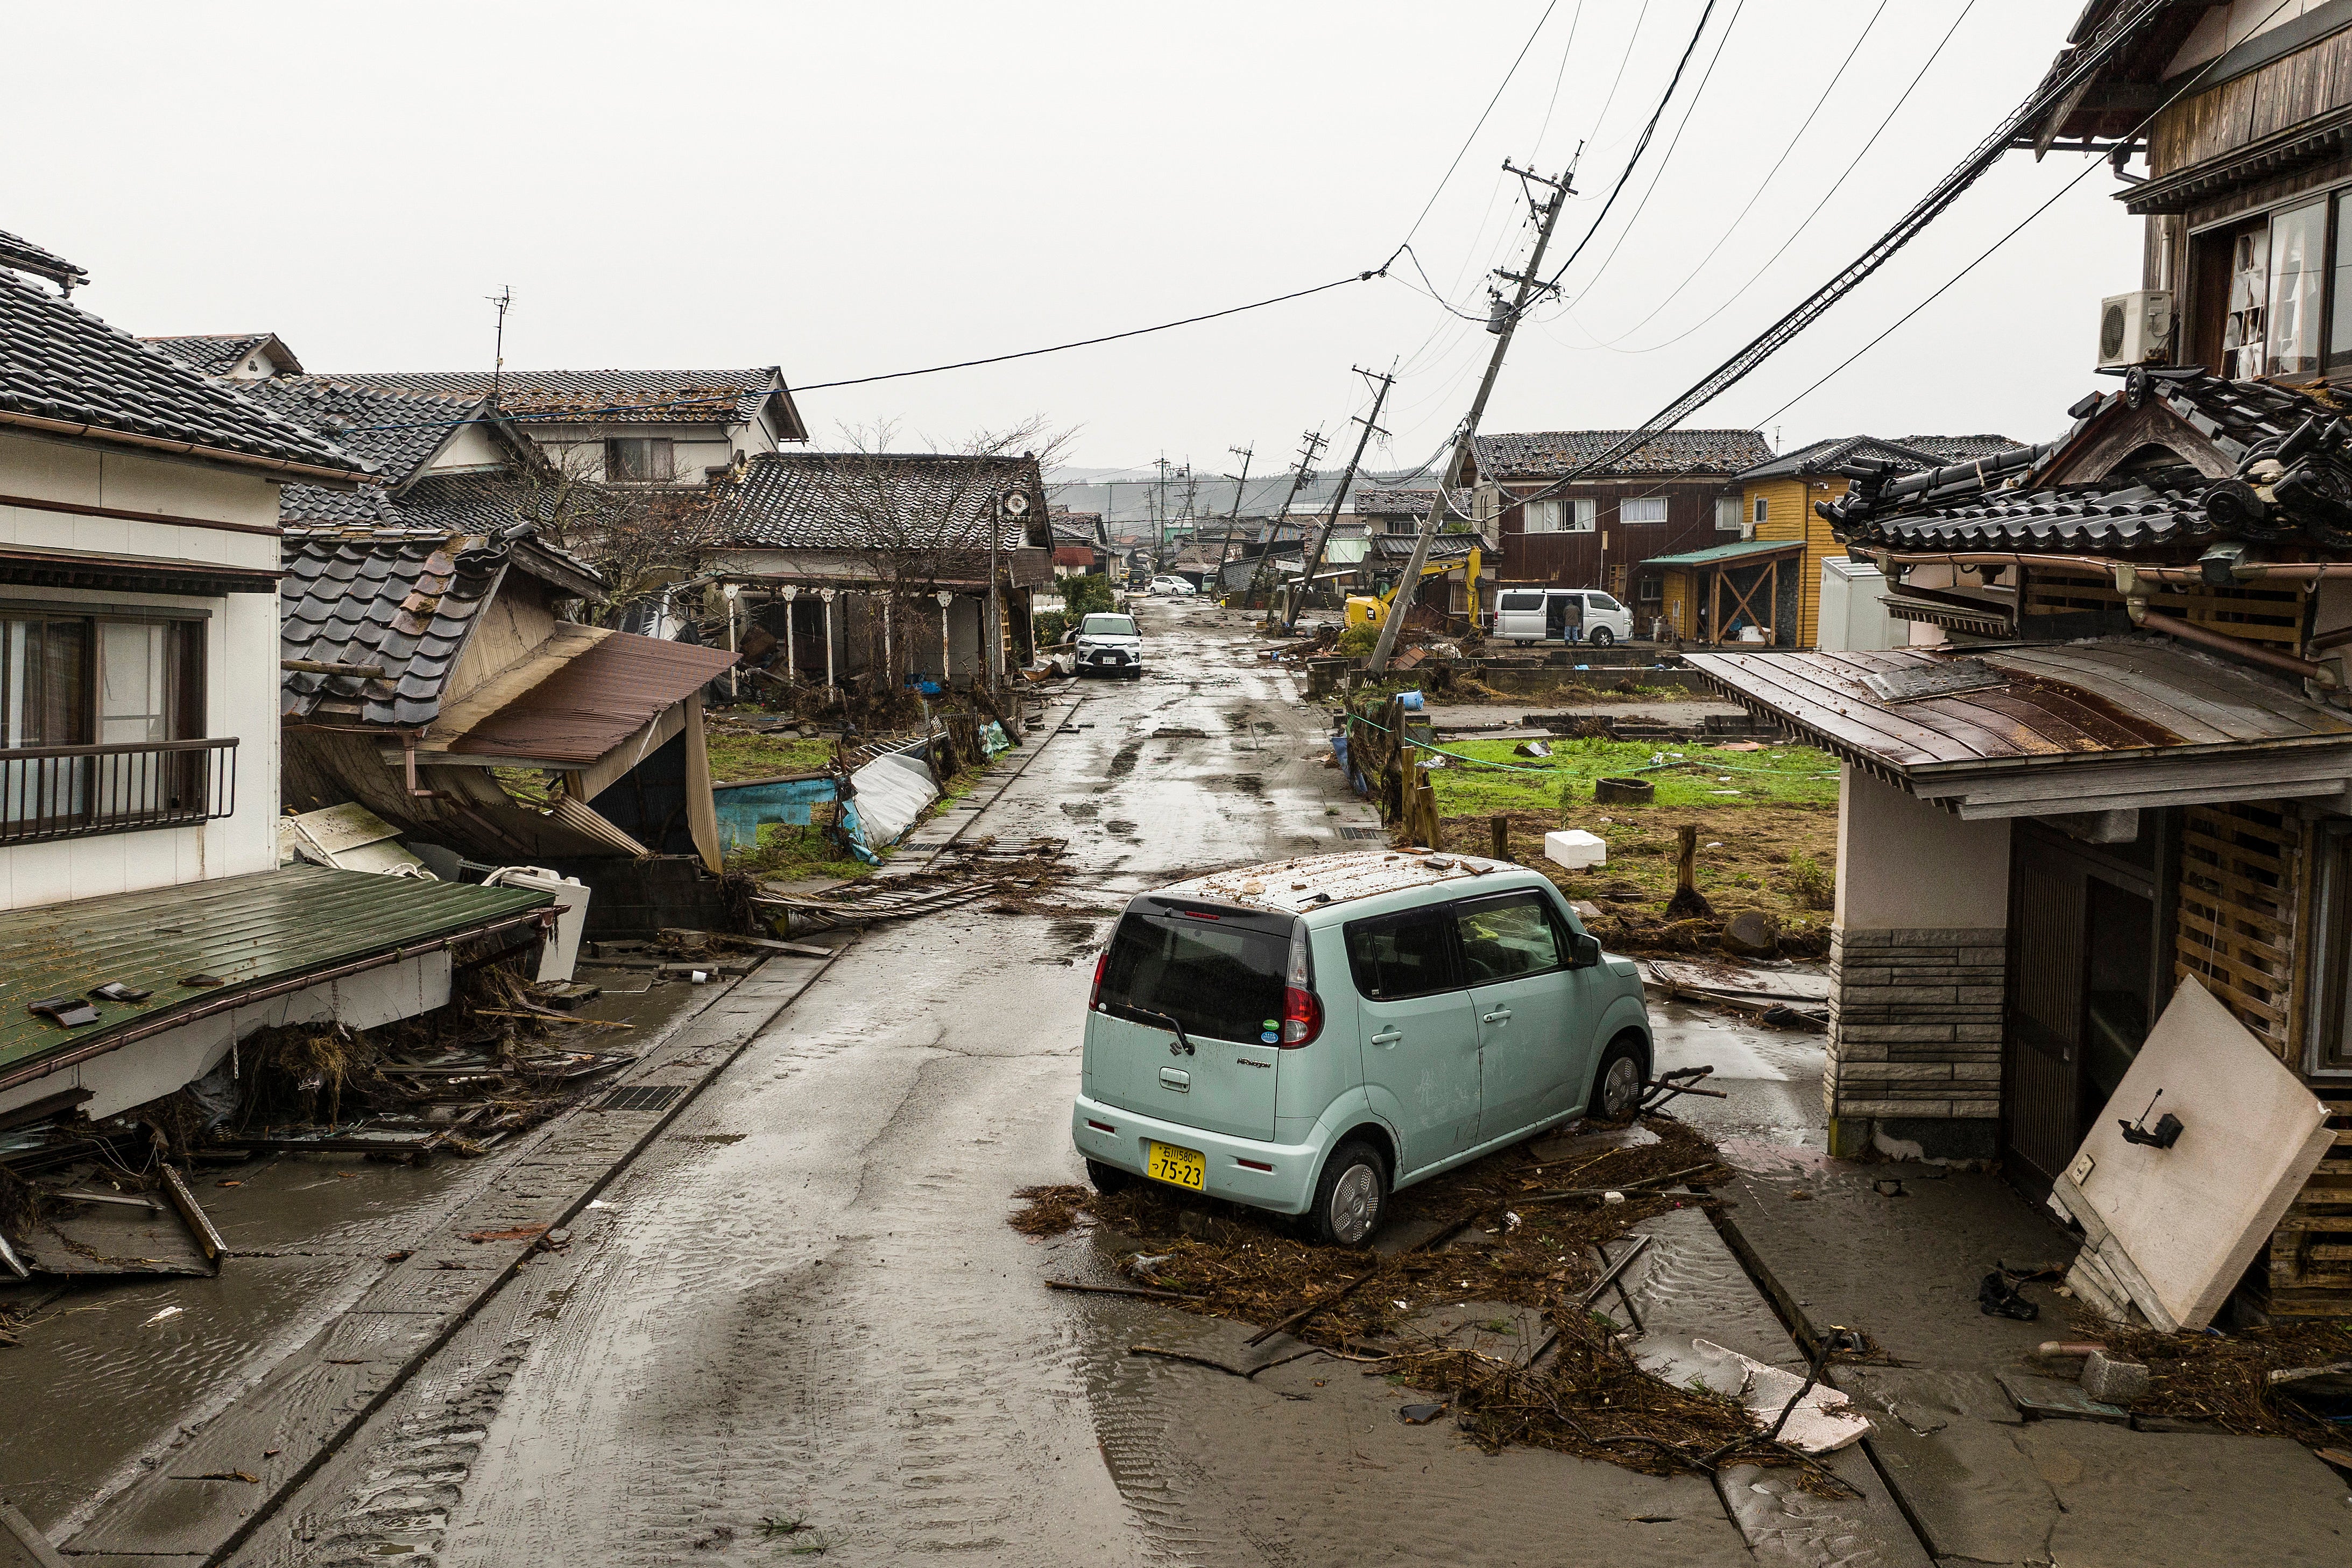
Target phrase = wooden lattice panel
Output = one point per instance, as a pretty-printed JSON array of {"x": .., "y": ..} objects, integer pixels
[
  {"x": 2269, "y": 615},
  {"x": 2240, "y": 893},
  {"x": 2308, "y": 1270}
]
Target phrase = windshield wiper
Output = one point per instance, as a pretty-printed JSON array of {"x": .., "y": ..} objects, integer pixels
[{"x": 1182, "y": 1040}]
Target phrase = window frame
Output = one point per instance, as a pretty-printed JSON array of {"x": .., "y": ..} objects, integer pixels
[
  {"x": 1563, "y": 936},
  {"x": 1666, "y": 511},
  {"x": 1730, "y": 507},
  {"x": 665, "y": 446},
  {"x": 2330, "y": 1006},
  {"x": 185, "y": 674},
  {"x": 2202, "y": 291},
  {"x": 1457, "y": 978}
]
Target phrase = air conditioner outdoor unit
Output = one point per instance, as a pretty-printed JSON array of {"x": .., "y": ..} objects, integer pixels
[{"x": 2135, "y": 328}]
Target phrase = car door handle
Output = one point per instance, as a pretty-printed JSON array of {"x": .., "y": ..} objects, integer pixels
[
  {"x": 1499, "y": 1015},
  {"x": 1388, "y": 1037},
  {"x": 1181, "y": 1082}
]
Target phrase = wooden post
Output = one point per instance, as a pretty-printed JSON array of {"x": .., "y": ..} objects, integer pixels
[
  {"x": 1688, "y": 902},
  {"x": 1715, "y": 607},
  {"x": 1500, "y": 827}
]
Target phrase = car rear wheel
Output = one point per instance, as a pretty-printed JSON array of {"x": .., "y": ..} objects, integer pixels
[
  {"x": 1353, "y": 1196},
  {"x": 1617, "y": 1085},
  {"x": 1108, "y": 1179},
  {"x": 1602, "y": 636}
]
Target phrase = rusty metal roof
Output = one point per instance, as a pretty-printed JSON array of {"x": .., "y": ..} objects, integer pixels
[
  {"x": 2127, "y": 700},
  {"x": 608, "y": 691},
  {"x": 248, "y": 931}
]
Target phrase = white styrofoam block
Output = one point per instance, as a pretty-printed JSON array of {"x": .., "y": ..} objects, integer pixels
[{"x": 1575, "y": 849}]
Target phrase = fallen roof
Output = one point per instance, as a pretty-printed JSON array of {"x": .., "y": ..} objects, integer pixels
[
  {"x": 64, "y": 370},
  {"x": 594, "y": 700},
  {"x": 1694, "y": 455},
  {"x": 2051, "y": 728},
  {"x": 1317, "y": 882},
  {"x": 1727, "y": 554},
  {"x": 258, "y": 935}
]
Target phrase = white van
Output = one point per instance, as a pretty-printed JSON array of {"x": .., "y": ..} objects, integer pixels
[{"x": 1561, "y": 615}]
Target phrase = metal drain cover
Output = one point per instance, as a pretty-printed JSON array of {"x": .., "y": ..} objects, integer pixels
[{"x": 641, "y": 1097}]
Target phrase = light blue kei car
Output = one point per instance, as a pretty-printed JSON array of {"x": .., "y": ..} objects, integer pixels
[{"x": 1308, "y": 1035}]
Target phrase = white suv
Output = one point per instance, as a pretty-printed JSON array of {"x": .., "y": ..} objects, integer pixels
[{"x": 1111, "y": 644}]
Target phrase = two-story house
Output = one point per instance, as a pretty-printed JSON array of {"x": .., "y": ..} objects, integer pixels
[
  {"x": 146, "y": 922},
  {"x": 1676, "y": 494},
  {"x": 2122, "y": 775}
]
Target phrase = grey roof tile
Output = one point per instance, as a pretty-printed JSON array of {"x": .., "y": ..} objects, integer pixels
[
  {"x": 895, "y": 502},
  {"x": 1699, "y": 453}
]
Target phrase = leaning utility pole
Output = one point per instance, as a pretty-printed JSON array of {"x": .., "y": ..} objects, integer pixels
[
  {"x": 1314, "y": 442},
  {"x": 1313, "y": 557},
  {"x": 1529, "y": 285},
  {"x": 1240, "y": 484}
]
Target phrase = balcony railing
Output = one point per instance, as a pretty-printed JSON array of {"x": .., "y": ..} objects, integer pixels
[{"x": 76, "y": 791}]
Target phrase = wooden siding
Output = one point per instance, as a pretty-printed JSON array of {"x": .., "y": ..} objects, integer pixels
[
  {"x": 1680, "y": 600},
  {"x": 1789, "y": 515},
  {"x": 1575, "y": 560},
  {"x": 2221, "y": 120}
]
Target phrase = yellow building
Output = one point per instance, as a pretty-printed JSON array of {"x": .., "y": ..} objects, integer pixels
[{"x": 1782, "y": 498}]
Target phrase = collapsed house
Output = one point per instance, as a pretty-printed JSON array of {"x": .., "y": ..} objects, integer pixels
[{"x": 150, "y": 925}]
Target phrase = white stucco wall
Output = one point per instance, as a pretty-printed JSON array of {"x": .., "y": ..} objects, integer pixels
[
  {"x": 1903, "y": 865},
  {"x": 240, "y": 646}
]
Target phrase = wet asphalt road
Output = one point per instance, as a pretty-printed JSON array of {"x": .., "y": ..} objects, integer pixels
[{"x": 802, "y": 1307}]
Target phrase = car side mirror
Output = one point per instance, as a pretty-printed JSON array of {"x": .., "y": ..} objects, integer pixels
[{"x": 1587, "y": 949}]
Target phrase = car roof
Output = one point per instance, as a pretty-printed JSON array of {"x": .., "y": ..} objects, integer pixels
[{"x": 1315, "y": 883}]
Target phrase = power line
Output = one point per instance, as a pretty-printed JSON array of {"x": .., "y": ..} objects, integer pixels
[
  {"x": 1639, "y": 147},
  {"x": 1622, "y": 61},
  {"x": 1459, "y": 155},
  {"x": 1835, "y": 186},
  {"x": 2124, "y": 26},
  {"x": 1769, "y": 177},
  {"x": 1659, "y": 178}
]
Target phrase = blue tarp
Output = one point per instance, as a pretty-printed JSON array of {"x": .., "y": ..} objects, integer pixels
[{"x": 743, "y": 807}]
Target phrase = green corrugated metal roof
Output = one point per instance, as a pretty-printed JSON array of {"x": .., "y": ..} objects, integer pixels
[
  {"x": 248, "y": 930},
  {"x": 1723, "y": 552}
]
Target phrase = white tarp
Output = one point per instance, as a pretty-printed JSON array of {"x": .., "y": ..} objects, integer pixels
[
  {"x": 1823, "y": 1420},
  {"x": 2169, "y": 1231},
  {"x": 892, "y": 792}
]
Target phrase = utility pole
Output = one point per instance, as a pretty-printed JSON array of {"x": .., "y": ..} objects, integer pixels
[
  {"x": 1159, "y": 520},
  {"x": 1313, "y": 443},
  {"x": 1240, "y": 484},
  {"x": 1528, "y": 287},
  {"x": 1313, "y": 557},
  {"x": 502, "y": 299}
]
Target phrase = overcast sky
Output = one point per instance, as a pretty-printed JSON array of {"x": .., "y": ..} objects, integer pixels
[{"x": 853, "y": 189}]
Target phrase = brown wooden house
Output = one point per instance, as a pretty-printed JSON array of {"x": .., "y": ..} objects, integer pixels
[{"x": 1676, "y": 494}]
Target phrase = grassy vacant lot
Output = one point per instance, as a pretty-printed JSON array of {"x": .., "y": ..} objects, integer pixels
[
  {"x": 1767, "y": 832},
  {"x": 737, "y": 757}
]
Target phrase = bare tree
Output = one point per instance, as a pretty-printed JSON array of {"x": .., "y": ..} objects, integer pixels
[{"x": 641, "y": 538}]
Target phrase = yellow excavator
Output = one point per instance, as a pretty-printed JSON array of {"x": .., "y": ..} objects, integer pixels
[{"x": 1367, "y": 610}]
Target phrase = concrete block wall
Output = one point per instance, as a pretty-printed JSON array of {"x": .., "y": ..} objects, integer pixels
[{"x": 1914, "y": 1037}]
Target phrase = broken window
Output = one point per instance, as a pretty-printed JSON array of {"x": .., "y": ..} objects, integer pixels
[
  {"x": 639, "y": 459},
  {"x": 2297, "y": 273},
  {"x": 2241, "y": 327}
]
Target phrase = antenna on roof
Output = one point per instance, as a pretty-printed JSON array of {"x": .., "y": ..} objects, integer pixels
[{"x": 502, "y": 299}]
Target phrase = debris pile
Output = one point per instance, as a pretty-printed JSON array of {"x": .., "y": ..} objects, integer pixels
[{"x": 1518, "y": 1229}]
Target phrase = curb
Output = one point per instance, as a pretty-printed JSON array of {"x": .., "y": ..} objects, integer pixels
[{"x": 309, "y": 1404}]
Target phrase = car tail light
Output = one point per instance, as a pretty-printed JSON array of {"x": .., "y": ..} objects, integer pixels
[
  {"x": 1102, "y": 962},
  {"x": 1302, "y": 1017}
]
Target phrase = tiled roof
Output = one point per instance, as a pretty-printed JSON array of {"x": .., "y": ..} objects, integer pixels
[
  {"x": 1443, "y": 547},
  {"x": 400, "y": 599},
  {"x": 1699, "y": 453},
  {"x": 884, "y": 501},
  {"x": 217, "y": 354},
  {"x": 1825, "y": 456},
  {"x": 61, "y": 364},
  {"x": 606, "y": 396},
  {"x": 25, "y": 256},
  {"x": 1957, "y": 449},
  {"x": 2003, "y": 500},
  {"x": 397, "y": 432}
]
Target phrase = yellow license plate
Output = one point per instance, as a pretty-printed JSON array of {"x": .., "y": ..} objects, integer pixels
[{"x": 1183, "y": 1167}]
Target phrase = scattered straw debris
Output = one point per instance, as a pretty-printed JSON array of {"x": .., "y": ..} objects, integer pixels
[
  {"x": 1490, "y": 1234},
  {"x": 2224, "y": 1380}
]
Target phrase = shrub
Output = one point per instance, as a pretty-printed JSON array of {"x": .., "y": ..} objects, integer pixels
[
  {"x": 1084, "y": 594},
  {"x": 1357, "y": 642},
  {"x": 1050, "y": 627},
  {"x": 1810, "y": 883}
]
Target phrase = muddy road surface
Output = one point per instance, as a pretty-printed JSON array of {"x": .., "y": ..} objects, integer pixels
[{"x": 799, "y": 1320}]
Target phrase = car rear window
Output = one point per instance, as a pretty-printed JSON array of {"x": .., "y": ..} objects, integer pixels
[
  {"x": 1109, "y": 626},
  {"x": 1220, "y": 981},
  {"x": 1522, "y": 601},
  {"x": 1397, "y": 956}
]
